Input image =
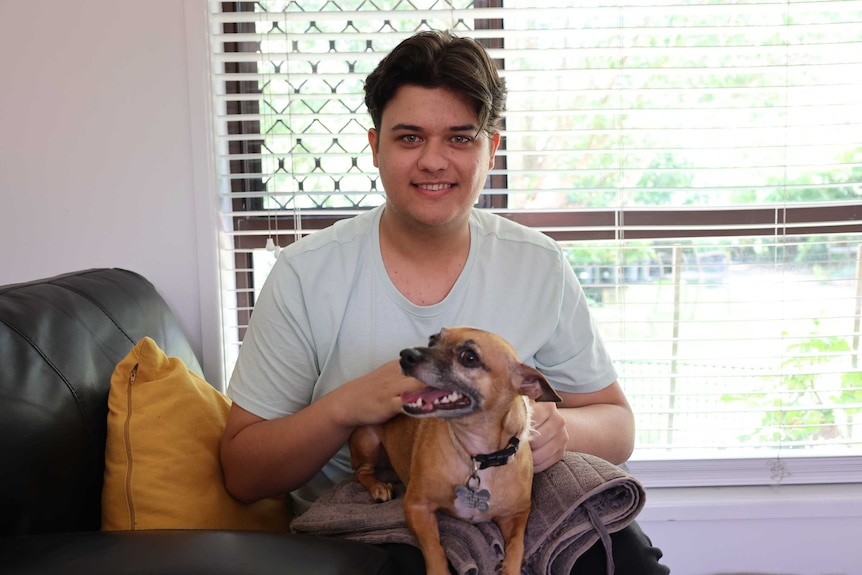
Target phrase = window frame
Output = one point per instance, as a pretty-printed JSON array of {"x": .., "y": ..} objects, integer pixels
[{"x": 603, "y": 224}]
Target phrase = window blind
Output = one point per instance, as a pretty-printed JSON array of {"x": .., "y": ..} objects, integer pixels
[{"x": 700, "y": 163}]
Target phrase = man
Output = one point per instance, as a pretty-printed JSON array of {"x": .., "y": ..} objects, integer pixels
[{"x": 320, "y": 355}]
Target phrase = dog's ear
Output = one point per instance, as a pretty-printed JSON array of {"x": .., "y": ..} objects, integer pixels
[{"x": 534, "y": 385}]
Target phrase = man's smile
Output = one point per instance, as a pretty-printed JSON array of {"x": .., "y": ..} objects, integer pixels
[{"x": 434, "y": 187}]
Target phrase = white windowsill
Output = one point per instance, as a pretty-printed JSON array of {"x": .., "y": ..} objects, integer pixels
[
  {"x": 748, "y": 488},
  {"x": 744, "y": 471},
  {"x": 752, "y": 502}
]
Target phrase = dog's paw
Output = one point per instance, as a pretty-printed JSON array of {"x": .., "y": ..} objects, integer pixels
[{"x": 382, "y": 492}]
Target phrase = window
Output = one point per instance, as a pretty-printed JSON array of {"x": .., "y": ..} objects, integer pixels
[{"x": 701, "y": 163}]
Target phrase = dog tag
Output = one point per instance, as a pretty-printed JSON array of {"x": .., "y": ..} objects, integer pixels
[{"x": 468, "y": 497}]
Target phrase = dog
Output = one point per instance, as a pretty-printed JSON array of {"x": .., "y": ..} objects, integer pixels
[{"x": 462, "y": 444}]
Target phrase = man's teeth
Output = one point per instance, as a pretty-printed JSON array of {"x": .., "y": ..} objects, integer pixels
[
  {"x": 451, "y": 398},
  {"x": 435, "y": 187}
]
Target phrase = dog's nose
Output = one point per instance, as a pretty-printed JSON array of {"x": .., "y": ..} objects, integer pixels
[{"x": 410, "y": 357}]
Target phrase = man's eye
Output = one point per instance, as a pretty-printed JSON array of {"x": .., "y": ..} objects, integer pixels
[
  {"x": 410, "y": 138},
  {"x": 468, "y": 358},
  {"x": 462, "y": 139}
]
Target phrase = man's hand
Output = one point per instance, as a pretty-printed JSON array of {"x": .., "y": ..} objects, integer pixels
[
  {"x": 599, "y": 423},
  {"x": 551, "y": 436},
  {"x": 375, "y": 397}
]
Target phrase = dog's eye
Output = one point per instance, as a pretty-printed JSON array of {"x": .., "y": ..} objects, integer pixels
[{"x": 468, "y": 358}]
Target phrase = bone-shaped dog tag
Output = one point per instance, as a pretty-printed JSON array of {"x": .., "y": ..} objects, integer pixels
[{"x": 466, "y": 496}]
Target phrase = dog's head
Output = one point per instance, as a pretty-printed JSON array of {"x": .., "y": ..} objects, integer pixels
[{"x": 466, "y": 370}]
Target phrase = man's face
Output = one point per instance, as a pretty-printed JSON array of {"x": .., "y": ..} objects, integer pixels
[{"x": 433, "y": 159}]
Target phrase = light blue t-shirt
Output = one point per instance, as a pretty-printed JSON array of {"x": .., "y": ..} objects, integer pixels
[{"x": 328, "y": 313}]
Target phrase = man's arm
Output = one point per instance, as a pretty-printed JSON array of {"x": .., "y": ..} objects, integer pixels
[
  {"x": 600, "y": 423},
  {"x": 262, "y": 458}
]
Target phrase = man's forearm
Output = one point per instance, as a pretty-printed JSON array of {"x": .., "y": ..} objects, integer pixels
[
  {"x": 262, "y": 458},
  {"x": 603, "y": 430},
  {"x": 272, "y": 457}
]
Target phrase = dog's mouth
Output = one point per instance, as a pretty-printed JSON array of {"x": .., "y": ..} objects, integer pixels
[{"x": 431, "y": 399}]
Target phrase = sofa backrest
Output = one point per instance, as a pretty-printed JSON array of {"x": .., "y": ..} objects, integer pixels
[{"x": 60, "y": 339}]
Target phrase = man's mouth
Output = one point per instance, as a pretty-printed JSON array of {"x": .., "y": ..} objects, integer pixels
[
  {"x": 434, "y": 187},
  {"x": 431, "y": 399}
]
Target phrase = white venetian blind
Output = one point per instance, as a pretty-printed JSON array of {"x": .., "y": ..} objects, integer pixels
[{"x": 701, "y": 163}]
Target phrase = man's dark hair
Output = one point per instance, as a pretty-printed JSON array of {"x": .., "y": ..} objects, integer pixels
[{"x": 435, "y": 59}]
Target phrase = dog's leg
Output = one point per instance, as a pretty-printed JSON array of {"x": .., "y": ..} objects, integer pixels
[
  {"x": 513, "y": 528},
  {"x": 366, "y": 454},
  {"x": 422, "y": 520}
]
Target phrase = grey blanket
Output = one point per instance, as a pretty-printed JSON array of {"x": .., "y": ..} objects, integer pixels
[{"x": 575, "y": 503}]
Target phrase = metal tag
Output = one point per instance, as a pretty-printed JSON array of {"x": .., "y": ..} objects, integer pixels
[{"x": 468, "y": 497}]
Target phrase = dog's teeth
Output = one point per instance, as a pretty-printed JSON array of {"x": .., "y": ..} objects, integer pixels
[{"x": 451, "y": 398}]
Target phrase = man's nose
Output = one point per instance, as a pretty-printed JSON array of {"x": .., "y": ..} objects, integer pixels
[{"x": 433, "y": 157}]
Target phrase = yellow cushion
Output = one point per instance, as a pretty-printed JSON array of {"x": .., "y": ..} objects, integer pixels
[{"x": 162, "y": 467}]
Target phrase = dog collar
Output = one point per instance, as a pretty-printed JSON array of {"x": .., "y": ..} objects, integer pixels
[
  {"x": 497, "y": 458},
  {"x": 470, "y": 495}
]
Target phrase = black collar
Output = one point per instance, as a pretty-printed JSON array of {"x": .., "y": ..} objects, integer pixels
[{"x": 498, "y": 458}]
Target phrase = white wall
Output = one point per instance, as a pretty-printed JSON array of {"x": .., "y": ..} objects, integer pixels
[
  {"x": 786, "y": 529},
  {"x": 827, "y": 546},
  {"x": 103, "y": 162},
  {"x": 96, "y": 159}
]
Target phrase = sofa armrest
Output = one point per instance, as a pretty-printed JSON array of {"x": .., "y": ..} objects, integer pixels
[
  {"x": 60, "y": 339},
  {"x": 188, "y": 552}
]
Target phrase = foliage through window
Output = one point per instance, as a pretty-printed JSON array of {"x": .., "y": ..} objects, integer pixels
[{"x": 700, "y": 162}]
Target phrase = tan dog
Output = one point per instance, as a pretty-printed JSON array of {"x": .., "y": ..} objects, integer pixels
[{"x": 465, "y": 450}]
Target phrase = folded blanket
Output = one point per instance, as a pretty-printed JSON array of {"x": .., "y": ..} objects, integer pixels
[{"x": 576, "y": 502}]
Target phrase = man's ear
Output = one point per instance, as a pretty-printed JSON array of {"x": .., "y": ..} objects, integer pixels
[
  {"x": 534, "y": 385},
  {"x": 495, "y": 143},
  {"x": 373, "y": 141}
]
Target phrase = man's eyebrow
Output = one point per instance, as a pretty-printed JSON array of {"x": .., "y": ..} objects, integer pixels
[
  {"x": 413, "y": 128},
  {"x": 465, "y": 128},
  {"x": 409, "y": 127}
]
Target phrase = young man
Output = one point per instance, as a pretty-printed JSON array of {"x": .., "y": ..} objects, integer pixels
[{"x": 320, "y": 354}]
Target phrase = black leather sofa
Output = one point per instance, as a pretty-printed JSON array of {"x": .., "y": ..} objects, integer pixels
[{"x": 60, "y": 339}]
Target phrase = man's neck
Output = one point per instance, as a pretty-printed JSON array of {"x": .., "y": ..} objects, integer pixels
[
  {"x": 424, "y": 263},
  {"x": 424, "y": 242}
]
